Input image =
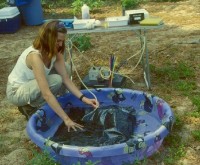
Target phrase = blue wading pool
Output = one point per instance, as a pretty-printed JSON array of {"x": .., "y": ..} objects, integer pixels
[{"x": 154, "y": 120}]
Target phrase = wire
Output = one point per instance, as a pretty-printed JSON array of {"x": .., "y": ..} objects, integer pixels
[
  {"x": 141, "y": 55},
  {"x": 143, "y": 49},
  {"x": 113, "y": 60},
  {"x": 138, "y": 52},
  {"x": 81, "y": 79},
  {"x": 102, "y": 72},
  {"x": 91, "y": 64}
]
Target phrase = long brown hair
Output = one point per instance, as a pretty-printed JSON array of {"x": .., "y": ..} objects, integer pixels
[{"x": 47, "y": 37}]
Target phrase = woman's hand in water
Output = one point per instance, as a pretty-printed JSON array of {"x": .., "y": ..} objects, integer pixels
[{"x": 70, "y": 124}]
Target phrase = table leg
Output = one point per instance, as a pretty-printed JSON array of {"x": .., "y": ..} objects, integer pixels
[
  {"x": 69, "y": 47},
  {"x": 145, "y": 60}
]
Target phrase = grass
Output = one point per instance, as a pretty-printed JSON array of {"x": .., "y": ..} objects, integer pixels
[
  {"x": 196, "y": 134},
  {"x": 179, "y": 77},
  {"x": 185, "y": 86},
  {"x": 195, "y": 98},
  {"x": 6, "y": 143},
  {"x": 89, "y": 162},
  {"x": 175, "y": 147},
  {"x": 172, "y": 148},
  {"x": 196, "y": 101},
  {"x": 3, "y": 147},
  {"x": 173, "y": 72},
  {"x": 41, "y": 158},
  {"x": 82, "y": 42}
]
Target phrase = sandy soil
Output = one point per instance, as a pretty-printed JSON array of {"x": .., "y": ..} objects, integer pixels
[{"x": 178, "y": 40}]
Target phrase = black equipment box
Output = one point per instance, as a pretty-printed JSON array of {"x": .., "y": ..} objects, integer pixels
[
  {"x": 117, "y": 81},
  {"x": 136, "y": 18}
]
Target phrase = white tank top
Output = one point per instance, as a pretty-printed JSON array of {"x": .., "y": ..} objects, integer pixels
[{"x": 21, "y": 73}]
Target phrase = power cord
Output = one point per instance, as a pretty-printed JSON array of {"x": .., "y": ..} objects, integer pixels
[{"x": 111, "y": 72}]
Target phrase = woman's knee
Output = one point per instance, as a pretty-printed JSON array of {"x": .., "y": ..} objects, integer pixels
[
  {"x": 68, "y": 69},
  {"x": 54, "y": 81}
]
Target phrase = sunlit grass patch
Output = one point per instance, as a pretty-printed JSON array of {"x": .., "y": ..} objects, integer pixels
[
  {"x": 6, "y": 142},
  {"x": 195, "y": 114},
  {"x": 185, "y": 86},
  {"x": 174, "y": 154},
  {"x": 41, "y": 158},
  {"x": 196, "y": 134},
  {"x": 175, "y": 148},
  {"x": 3, "y": 147},
  {"x": 89, "y": 162},
  {"x": 5, "y": 115},
  {"x": 195, "y": 98},
  {"x": 173, "y": 72},
  {"x": 196, "y": 101}
]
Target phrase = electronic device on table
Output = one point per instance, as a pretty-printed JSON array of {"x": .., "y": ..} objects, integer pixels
[
  {"x": 135, "y": 16},
  {"x": 98, "y": 77}
]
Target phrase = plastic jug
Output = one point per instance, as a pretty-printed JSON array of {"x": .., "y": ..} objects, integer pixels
[{"x": 85, "y": 12}]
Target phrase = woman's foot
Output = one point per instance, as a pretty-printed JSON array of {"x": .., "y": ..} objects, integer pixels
[{"x": 27, "y": 110}]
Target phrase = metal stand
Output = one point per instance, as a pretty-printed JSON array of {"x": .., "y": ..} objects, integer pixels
[{"x": 146, "y": 68}]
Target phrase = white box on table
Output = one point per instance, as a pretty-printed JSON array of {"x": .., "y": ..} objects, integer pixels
[
  {"x": 83, "y": 23},
  {"x": 117, "y": 21}
]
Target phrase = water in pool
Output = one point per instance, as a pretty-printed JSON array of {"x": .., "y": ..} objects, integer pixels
[{"x": 104, "y": 126}]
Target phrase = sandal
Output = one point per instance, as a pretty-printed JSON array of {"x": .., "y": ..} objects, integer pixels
[{"x": 27, "y": 110}]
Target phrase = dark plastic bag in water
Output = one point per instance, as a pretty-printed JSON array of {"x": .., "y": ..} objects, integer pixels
[{"x": 117, "y": 122}]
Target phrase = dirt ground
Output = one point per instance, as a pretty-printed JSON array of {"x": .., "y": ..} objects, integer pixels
[{"x": 178, "y": 40}]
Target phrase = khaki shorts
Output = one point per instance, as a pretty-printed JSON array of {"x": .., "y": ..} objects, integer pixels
[{"x": 29, "y": 93}]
